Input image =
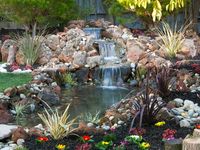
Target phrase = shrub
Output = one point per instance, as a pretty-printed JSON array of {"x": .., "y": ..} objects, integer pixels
[
  {"x": 172, "y": 38},
  {"x": 59, "y": 126}
]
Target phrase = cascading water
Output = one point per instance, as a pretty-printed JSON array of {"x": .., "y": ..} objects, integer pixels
[
  {"x": 110, "y": 73},
  {"x": 107, "y": 50},
  {"x": 111, "y": 77},
  {"x": 95, "y": 32}
]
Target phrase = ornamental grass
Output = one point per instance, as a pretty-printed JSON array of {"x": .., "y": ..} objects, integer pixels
[{"x": 58, "y": 125}]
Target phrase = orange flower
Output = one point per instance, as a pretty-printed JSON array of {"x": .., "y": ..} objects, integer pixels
[{"x": 197, "y": 126}]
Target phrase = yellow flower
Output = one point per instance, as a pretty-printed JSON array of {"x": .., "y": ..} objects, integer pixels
[
  {"x": 161, "y": 123},
  {"x": 105, "y": 143},
  {"x": 60, "y": 146},
  {"x": 145, "y": 145}
]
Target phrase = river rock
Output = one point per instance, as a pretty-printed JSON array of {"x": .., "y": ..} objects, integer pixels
[
  {"x": 188, "y": 104},
  {"x": 184, "y": 123},
  {"x": 177, "y": 111},
  {"x": 178, "y": 102},
  {"x": 191, "y": 112},
  {"x": 82, "y": 75},
  {"x": 49, "y": 97},
  {"x": 6, "y": 130}
]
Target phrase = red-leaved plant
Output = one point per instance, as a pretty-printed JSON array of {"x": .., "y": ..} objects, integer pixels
[
  {"x": 168, "y": 134},
  {"x": 85, "y": 146},
  {"x": 196, "y": 68},
  {"x": 137, "y": 131},
  {"x": 14, "y": 66}
]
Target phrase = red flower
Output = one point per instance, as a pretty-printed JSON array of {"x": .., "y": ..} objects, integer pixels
[
  {"x": 197, "y": 126},
  {"x": 86, "y": 138},
  {"x": 42, "y": 139}
]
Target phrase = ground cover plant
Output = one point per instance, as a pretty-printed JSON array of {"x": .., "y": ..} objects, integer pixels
[{"x": 13, "y": 79}]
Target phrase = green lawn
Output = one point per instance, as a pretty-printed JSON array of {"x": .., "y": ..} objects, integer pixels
[{"x": 11, "y": 79}]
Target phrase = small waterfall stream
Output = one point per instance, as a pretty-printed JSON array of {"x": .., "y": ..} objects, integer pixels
[{"x": 110, "y": 73}]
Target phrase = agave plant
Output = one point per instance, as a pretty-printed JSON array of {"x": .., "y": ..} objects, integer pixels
[
  {"x": 20, "y": 108},
  {"x": 89, "y": 117},
  {"x": 59, "y": 126}
]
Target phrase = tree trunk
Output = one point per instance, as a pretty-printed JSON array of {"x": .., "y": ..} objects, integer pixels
[
  {"x": 34, "y": 30},
  {"x": 192, "y": 143}
]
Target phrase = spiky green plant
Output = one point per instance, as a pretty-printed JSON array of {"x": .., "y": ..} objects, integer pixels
[
  {"x": 172, "y": 38},
  {"x": 93, "y": 118},
  {"x": 68, "y": 79},
  {"x": 30, "y": 47},
  {"x": 20, "y": 109},
  {"x": 58, "y": 125}
]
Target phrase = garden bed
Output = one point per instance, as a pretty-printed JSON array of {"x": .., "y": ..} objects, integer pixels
[{"x": 153, "y": 135}]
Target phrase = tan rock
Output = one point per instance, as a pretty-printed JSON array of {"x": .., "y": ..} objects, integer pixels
[
  {"x": 20, "y": 58},
  {"x": 19, "y": 133}
]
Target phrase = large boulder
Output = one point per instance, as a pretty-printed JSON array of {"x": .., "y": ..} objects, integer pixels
[
  {"x": 6, "y": 117},
  {"x": 94, "y": 61},
  {"x": 11, "y": 54},
  {"x": 79, "y": 58},
  {"x": 53, "y": 41},
  {"x": 6, "y": 130},
  {"x": 76, "y": 24},
  {"x": 20, "y": 58},
  {"x": 5, "y": 48},
  {"x": 134, "y": 51},
  {"x": 45, "y": 55},
  {"x": 188, "y": 48}
]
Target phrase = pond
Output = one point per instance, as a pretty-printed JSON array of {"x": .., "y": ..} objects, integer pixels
[{"x": 83, "y": 99}]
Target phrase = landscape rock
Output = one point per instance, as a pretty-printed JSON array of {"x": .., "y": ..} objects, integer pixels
[
  {"x": 189, "y": 49},
  {"x": 94, "y": 61},
  {"x": 6, "y": 117},
  {"x": 19, "y": 133},
  {"x": 53, "y": 41},
  {"x": 79, "y": 58},
  {"x": 6, "y": 130},
  {"x": 5, "y": 49},
  {"x": 184, "y": 123}
]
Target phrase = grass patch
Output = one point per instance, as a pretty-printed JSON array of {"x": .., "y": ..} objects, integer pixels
[{"x": 12, "y": 79}]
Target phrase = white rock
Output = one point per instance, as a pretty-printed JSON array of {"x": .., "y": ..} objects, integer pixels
[
  {"x": 195, "y": 115},
  {"x": 184, "y": 123},
  {"x": 111, "y": 118},
  {"x": 178, "y": 101},
  {"x": 20, "y": 141},
  {"x": 177, "y": 111},
  {"x": 105, "y": 127},
  {"x": 90, "y": 125},
  {"x": 54, "y": 84},
  {"x": 7, "y": 148},
  {"x": 5, "y": 130},
  {"x": 39, "y": 126},
  {"x": 133, "y": 65},
  {"x": 188, "y": 104},
  {"x": 120, "y": 122},
  {"x": 191, "y": 112},
  {"x": 22, "y": 96}
]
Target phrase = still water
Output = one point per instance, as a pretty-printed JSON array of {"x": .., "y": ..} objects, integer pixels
[{"x": 83, "y": 99}]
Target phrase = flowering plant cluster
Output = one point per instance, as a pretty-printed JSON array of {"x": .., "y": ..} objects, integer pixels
[
  {"x": 14, "y": 66},
  {"x": 42, "y": 139},
  {"x": 61, "y": 147},
  {"x": 196, "y": 68},
  {"x": 168, "y": 134},
  {"x": 104, "y": 145},
  {"x": 85, "y": 146},
  {"x": 138, "y": 140},
  {"x": 86, "y": 139},
  {"x": 159, "y": 124}
]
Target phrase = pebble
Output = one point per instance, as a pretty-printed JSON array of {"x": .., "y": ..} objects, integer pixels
[{"x": 20, "y": 141}]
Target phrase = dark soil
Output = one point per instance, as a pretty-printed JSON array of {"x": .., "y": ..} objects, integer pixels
[{"x": 153, "y": 135}]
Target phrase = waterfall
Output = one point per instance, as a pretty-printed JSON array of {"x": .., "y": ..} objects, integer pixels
[
  {"x": 107, "y": 50},
  {"x": 95, "y": 32},
  {"x": 111, "y": 76}
]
